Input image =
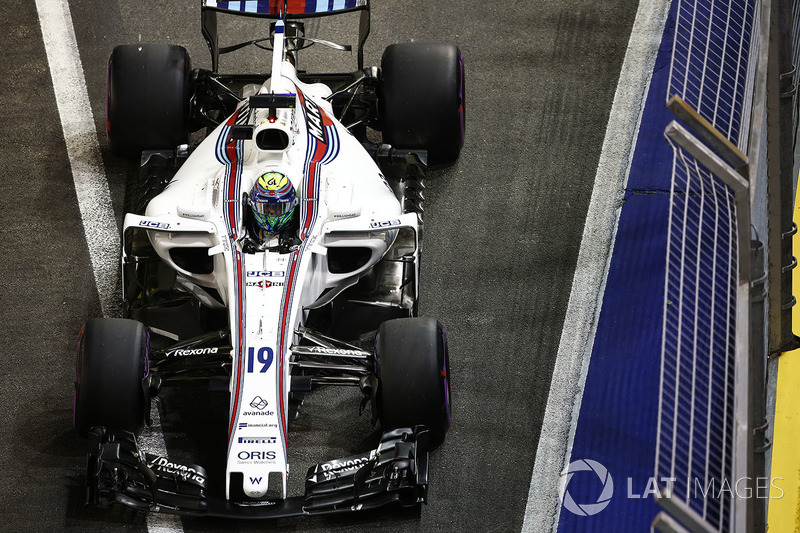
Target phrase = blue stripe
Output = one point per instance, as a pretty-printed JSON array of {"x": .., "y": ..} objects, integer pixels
[
  {"x": 222, "y": 156},
  {"x": 618, "y": 415}
]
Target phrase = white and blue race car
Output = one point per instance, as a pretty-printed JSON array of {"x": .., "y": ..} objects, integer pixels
[{"x": 274, "y": 315}]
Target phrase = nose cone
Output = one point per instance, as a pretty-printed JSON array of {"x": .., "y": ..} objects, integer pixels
[{"x": 256, "y": 486}]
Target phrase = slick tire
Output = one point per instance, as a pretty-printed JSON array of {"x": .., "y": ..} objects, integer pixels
[
  {"x": 413, "y": 372},
  {"x": 110, "y": 367},
  {"x": 421, "y": 101},
  {"x": 147, "y": 104}
]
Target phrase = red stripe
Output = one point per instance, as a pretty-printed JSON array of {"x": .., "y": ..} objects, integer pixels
[
  {"x": 284, "y": 320},
  {"x": 238, "y": 283},
  {"x": 230, "y": 149}
]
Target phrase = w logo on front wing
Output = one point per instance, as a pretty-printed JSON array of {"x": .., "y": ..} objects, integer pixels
[{"x": 256, "y": 480}]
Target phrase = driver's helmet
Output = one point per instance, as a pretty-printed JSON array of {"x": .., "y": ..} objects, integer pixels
[{"x": 272, "y": 201}]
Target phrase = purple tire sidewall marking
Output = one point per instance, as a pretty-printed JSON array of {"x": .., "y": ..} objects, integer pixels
[
  {"x": 446, "y": 378},
  {"x": 75, "y": 384},
  {"x": 461, "y": 94}
]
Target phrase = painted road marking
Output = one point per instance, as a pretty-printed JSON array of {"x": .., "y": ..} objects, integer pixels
[
  {"x": 784, "y": 503},
  {"x": 91, "y": 187},
  {"x": 583, "y": 310}
]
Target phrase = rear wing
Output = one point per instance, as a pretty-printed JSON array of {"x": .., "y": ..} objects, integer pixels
[
  {"x": 294, "y": 8},
  {"x": 273, "y": 9}
]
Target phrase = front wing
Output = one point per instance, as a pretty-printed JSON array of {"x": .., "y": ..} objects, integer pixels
[{"x": 396, "y": 472}]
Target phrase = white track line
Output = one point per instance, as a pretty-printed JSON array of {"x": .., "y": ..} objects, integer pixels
[
  {"x": 588, "y": 285},
  {"x": 91, "y": 187}
]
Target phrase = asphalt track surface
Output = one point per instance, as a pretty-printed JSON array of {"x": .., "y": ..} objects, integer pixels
[{"x": 503, "y": 227}]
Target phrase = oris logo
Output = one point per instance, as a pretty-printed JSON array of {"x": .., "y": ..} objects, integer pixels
[{"x": 256, "y": 456}]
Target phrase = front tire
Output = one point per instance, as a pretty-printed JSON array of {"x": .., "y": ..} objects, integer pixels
[
  {"x": 110, "y": 367},
  {"x": 413, "y": 376},
  {"x": 147, "y": 106},
  {"x": 421, "y": 101}
]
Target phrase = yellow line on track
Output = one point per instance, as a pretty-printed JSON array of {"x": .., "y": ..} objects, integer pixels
[{"x": 784, "y": 503}]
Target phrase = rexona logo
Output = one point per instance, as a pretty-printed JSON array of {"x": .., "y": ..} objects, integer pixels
[
  {"x": 195, "y": 351},
  {"x": 334, "y": 351},
  {"x": 333, "y": 469},
  {"x": 187, "y": 473},
  {"x": 590, "y": 508}
]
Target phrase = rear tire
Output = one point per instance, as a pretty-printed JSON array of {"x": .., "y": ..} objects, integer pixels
[
  {"x": 421, "y": 103},
  {"x": 413, "y": 376},
  {"x": 110, "y": 367},
  {"x": 147, "y": 106}
]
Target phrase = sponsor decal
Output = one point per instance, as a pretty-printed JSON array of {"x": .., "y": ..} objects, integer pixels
[
  {"x": 265, "y": 355},
  {"x": 334, "y": 351},
  {"x": 243, "y": 425},
  {"x": 260, "y": 503},
  {"x": 314, "y": 120},
  {"x": 258, "y": 403},
  {"x": 257, "y": 440},
  {"x": 193, "y": 351},
  {"x": 258, "y": 413},
  {"x": 153, "y": 224},
  {"x": 265, "y": 284},
  {"x": 257, "y": 456},
  {"x": 385, "y": 224},
  {"x": 335, "y": 468},
  {"x": 265, "y": 274},
  {"x": 163, "y": 465}
]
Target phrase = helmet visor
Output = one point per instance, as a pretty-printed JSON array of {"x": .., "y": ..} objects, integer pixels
[{"x": 272, "y": 214}]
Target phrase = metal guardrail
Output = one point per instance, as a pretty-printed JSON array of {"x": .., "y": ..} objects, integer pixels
[
  {"x": 704, "y": 435},
  {"x": 710, "y": 63},
  {"x": 696, "y": 439}
]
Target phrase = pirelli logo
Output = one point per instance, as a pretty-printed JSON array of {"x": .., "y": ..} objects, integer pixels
[{"x": 257, "y": 440}]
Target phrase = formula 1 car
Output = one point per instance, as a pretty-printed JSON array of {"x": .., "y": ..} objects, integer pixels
[{"x": 275, "y": 318}]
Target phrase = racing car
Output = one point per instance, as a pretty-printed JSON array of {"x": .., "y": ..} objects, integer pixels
[{"x": 333, "y": 301}]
